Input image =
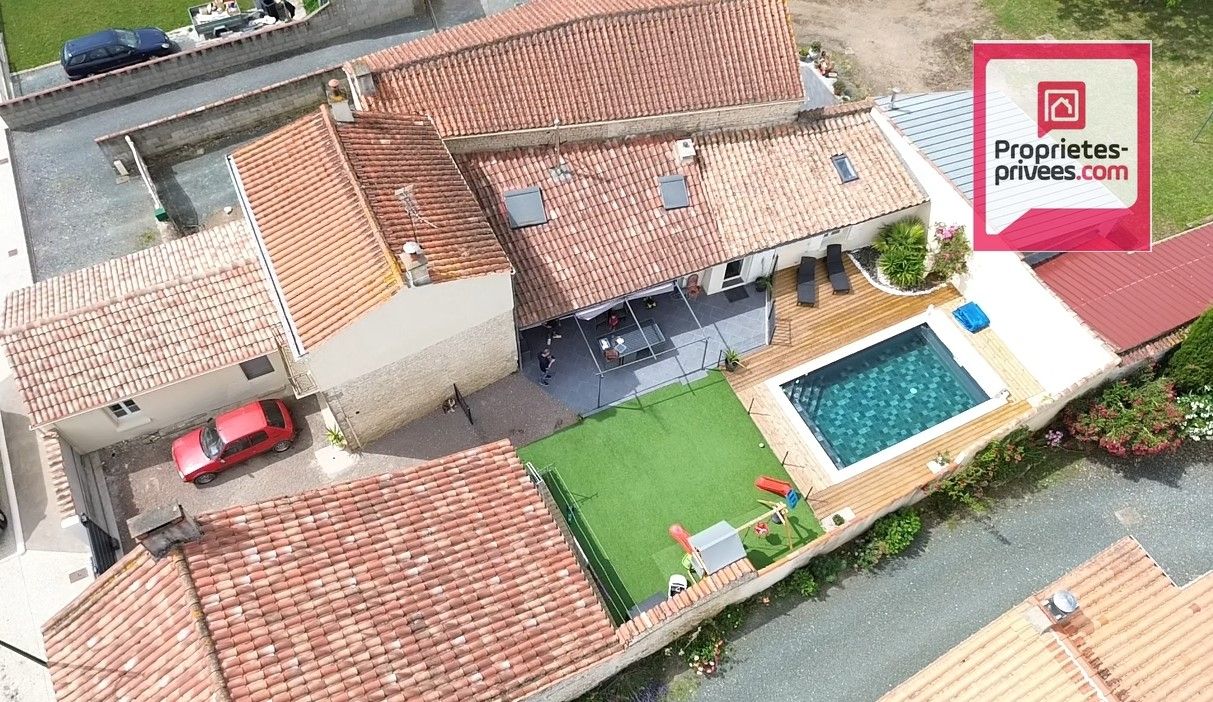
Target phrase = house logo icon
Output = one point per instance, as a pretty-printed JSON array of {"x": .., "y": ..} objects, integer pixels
[{"x": 1060, "y": 105}]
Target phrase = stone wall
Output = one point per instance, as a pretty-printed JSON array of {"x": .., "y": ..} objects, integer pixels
[
  {"x": 340, "y": 18},
  {"x": 263, "y": 110},
  {"x": 411, "y": 387}
]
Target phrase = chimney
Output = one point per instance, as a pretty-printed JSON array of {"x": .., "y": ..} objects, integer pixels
[
  {"x": 684, "y": 152},
  {"x": 335, "y": 91},
  {"x": 416, "y": 267},
  {"x": 364, "y": 80},
  {"x": 893, "y": 93},
  {"x": 162, "y": 529},
  {"x": 342, "y": 112}
]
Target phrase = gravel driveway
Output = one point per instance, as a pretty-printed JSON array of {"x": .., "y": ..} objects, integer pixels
[{"x": 878, "y": 629}]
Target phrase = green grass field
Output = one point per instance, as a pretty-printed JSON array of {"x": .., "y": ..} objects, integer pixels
[
  {"x": 680, "y": 454},
  {"x": 1183, "y": 85},
  {"x": 34, "y": 30}
]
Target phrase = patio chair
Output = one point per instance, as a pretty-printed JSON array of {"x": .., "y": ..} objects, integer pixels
[
  {"x": 806, "y": 282},
  {"x": 838, "y": 274}
]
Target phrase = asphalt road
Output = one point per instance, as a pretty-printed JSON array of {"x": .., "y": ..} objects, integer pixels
[
  {"x": 78, "y": 214},
  {"x": 878, "y": 629}
]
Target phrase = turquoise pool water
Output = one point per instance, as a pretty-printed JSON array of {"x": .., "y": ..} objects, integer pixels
[{"x": 882, "y": 395}]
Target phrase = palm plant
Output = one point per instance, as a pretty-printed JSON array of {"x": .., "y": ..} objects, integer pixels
[{"x": 903, "y": 251}]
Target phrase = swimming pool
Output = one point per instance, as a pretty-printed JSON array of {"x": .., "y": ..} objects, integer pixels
[{"x": 888, "y": 393}]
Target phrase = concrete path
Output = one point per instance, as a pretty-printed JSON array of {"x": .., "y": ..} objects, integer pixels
[{"x": 878, "y": 629}]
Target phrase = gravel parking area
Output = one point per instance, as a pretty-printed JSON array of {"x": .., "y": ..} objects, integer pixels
[{"x": 877, "y": 629}]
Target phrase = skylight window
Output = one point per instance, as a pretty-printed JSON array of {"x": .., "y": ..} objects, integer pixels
[
  {"x": 674, "y": 193},
  {"x": 525, "y": 208},
  {"x": 846, "y": 171}
]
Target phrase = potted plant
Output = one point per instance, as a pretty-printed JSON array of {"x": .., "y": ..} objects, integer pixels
[
  {"x": 838, "y": 519},
  {"x": 815, "y": 48},
  {"x": 941, "y": 462},
  {"x": 763, "y": 283},
  {"x": 732, "y": 359}
]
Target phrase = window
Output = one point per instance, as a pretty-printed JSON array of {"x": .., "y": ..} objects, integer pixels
[
  {"x": 674, "y": 193},
  {"x": 257, "y": 367},
  {"x": 212, "y": 444},
  {"x": 238, "y": 446},
  {"x": 846, "y": 171},
  {"x": 273, "y": 414},
  {"x": 732, "y": 272},
  {"x": 123, "y": 409},
  {"x": 525, "y": 208}
]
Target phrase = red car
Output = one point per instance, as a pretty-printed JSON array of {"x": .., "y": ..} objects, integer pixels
[{"x": 234, "y": 437}]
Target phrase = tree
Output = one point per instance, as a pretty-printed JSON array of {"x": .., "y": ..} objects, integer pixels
[{"x": 1191, "y": 366}]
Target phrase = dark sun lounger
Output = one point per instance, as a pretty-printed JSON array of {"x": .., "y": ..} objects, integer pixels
[
  {"x": 806, "y": 281},
  {"x": 838, "y": 275}
]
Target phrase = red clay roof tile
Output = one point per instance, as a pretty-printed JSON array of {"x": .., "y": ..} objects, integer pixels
[
  {"x": 583, "y": 61},
  {"x": 608, "y": 233},
  {"x": 449, "y": 580},
  {"x": 91, "y": 337}
]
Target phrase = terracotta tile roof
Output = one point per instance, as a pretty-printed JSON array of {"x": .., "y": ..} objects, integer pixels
[
  {"x": 771, "y": 186},
  {"x": 608, "y": 233},
  {"x": 1137, "y": 636},
  {"x": 91, "y": 337},
  {"x": 329, "y": 199},
  {"x": 588, "y": 61},
  {"x": 449, "y": 580},
  {"x": 1131, "y": 299},
  {"x": 51, "y": 452}
]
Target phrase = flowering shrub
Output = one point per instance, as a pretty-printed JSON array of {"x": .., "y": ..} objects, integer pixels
[
  {"x": 1140, "y": 419},
  {"x": 1054, "y": 437},
  {"x": 1197, "y": 409},
  {"x": 951, "y": 251},
  {"x": 967, "y": 485},
  {"x": 703, "y": 648}
]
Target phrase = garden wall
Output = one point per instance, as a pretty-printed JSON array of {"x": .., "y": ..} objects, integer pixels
[
  {"x": 263, "y": 110},
  {"x": 338, "y": 19}
]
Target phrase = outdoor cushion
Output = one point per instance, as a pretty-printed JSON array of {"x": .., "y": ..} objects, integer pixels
[
  {"x": 971, "y": 317},
  {"x": 838, "y": 275},
  {"x": 806, "y": 281}
]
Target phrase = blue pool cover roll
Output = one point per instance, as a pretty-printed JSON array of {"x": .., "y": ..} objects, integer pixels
[{"x": 971, "y": 317}]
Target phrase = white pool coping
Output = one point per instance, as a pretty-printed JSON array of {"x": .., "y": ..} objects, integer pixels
[{"x": 963, "y": 352}]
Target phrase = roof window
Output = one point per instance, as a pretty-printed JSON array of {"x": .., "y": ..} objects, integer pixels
[
  {"x": 846, "y": 171},
  {"x": 674, "y": 193},
  {"x": 525, "y": 208}
]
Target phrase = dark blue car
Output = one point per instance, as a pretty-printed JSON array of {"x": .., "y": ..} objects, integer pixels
[{"x": 113, "y": 48}]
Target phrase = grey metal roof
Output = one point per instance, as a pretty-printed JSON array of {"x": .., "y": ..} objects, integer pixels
[{"x": 941, "y": 126}]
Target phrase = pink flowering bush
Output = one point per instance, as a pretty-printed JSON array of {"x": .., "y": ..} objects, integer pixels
[
  {"x": 951, "y": 251},
  {"x": 1138, "y": 419}
]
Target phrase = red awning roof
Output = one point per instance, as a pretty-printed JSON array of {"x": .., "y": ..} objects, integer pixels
[{"x": 1131, "y": 299}]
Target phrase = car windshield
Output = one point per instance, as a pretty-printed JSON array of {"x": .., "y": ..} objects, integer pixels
[
  {"x": 212, "y": 445},
  {"x": 127, "y": 37}
]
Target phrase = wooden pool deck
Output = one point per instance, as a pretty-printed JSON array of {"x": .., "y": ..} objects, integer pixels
[{"x": 803, "y": 333}]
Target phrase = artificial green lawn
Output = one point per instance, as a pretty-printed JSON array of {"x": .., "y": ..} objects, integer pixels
[
  {"x": 1183, "y": 84},
  {"x": 680, "y": 454},
  {"x": 34, "y": 30}
]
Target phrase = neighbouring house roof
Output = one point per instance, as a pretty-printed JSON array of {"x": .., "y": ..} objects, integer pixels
[
  {"x": 583, "y": 61},
  {"x": 121, "y": 328},
  {"x": 608, "y": 233},
  {"x": 1137, "y": 636},
  {"x": 331, "y": 202},
  {"x": 51, "y": 453},
  {"x": 940, "y": 126},
  {"x": 1133, "y": 299},
  {"x": 448, "y": 580}
]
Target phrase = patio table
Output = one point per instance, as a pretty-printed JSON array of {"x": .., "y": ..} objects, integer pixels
[{"x": 631, "y": 343}]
